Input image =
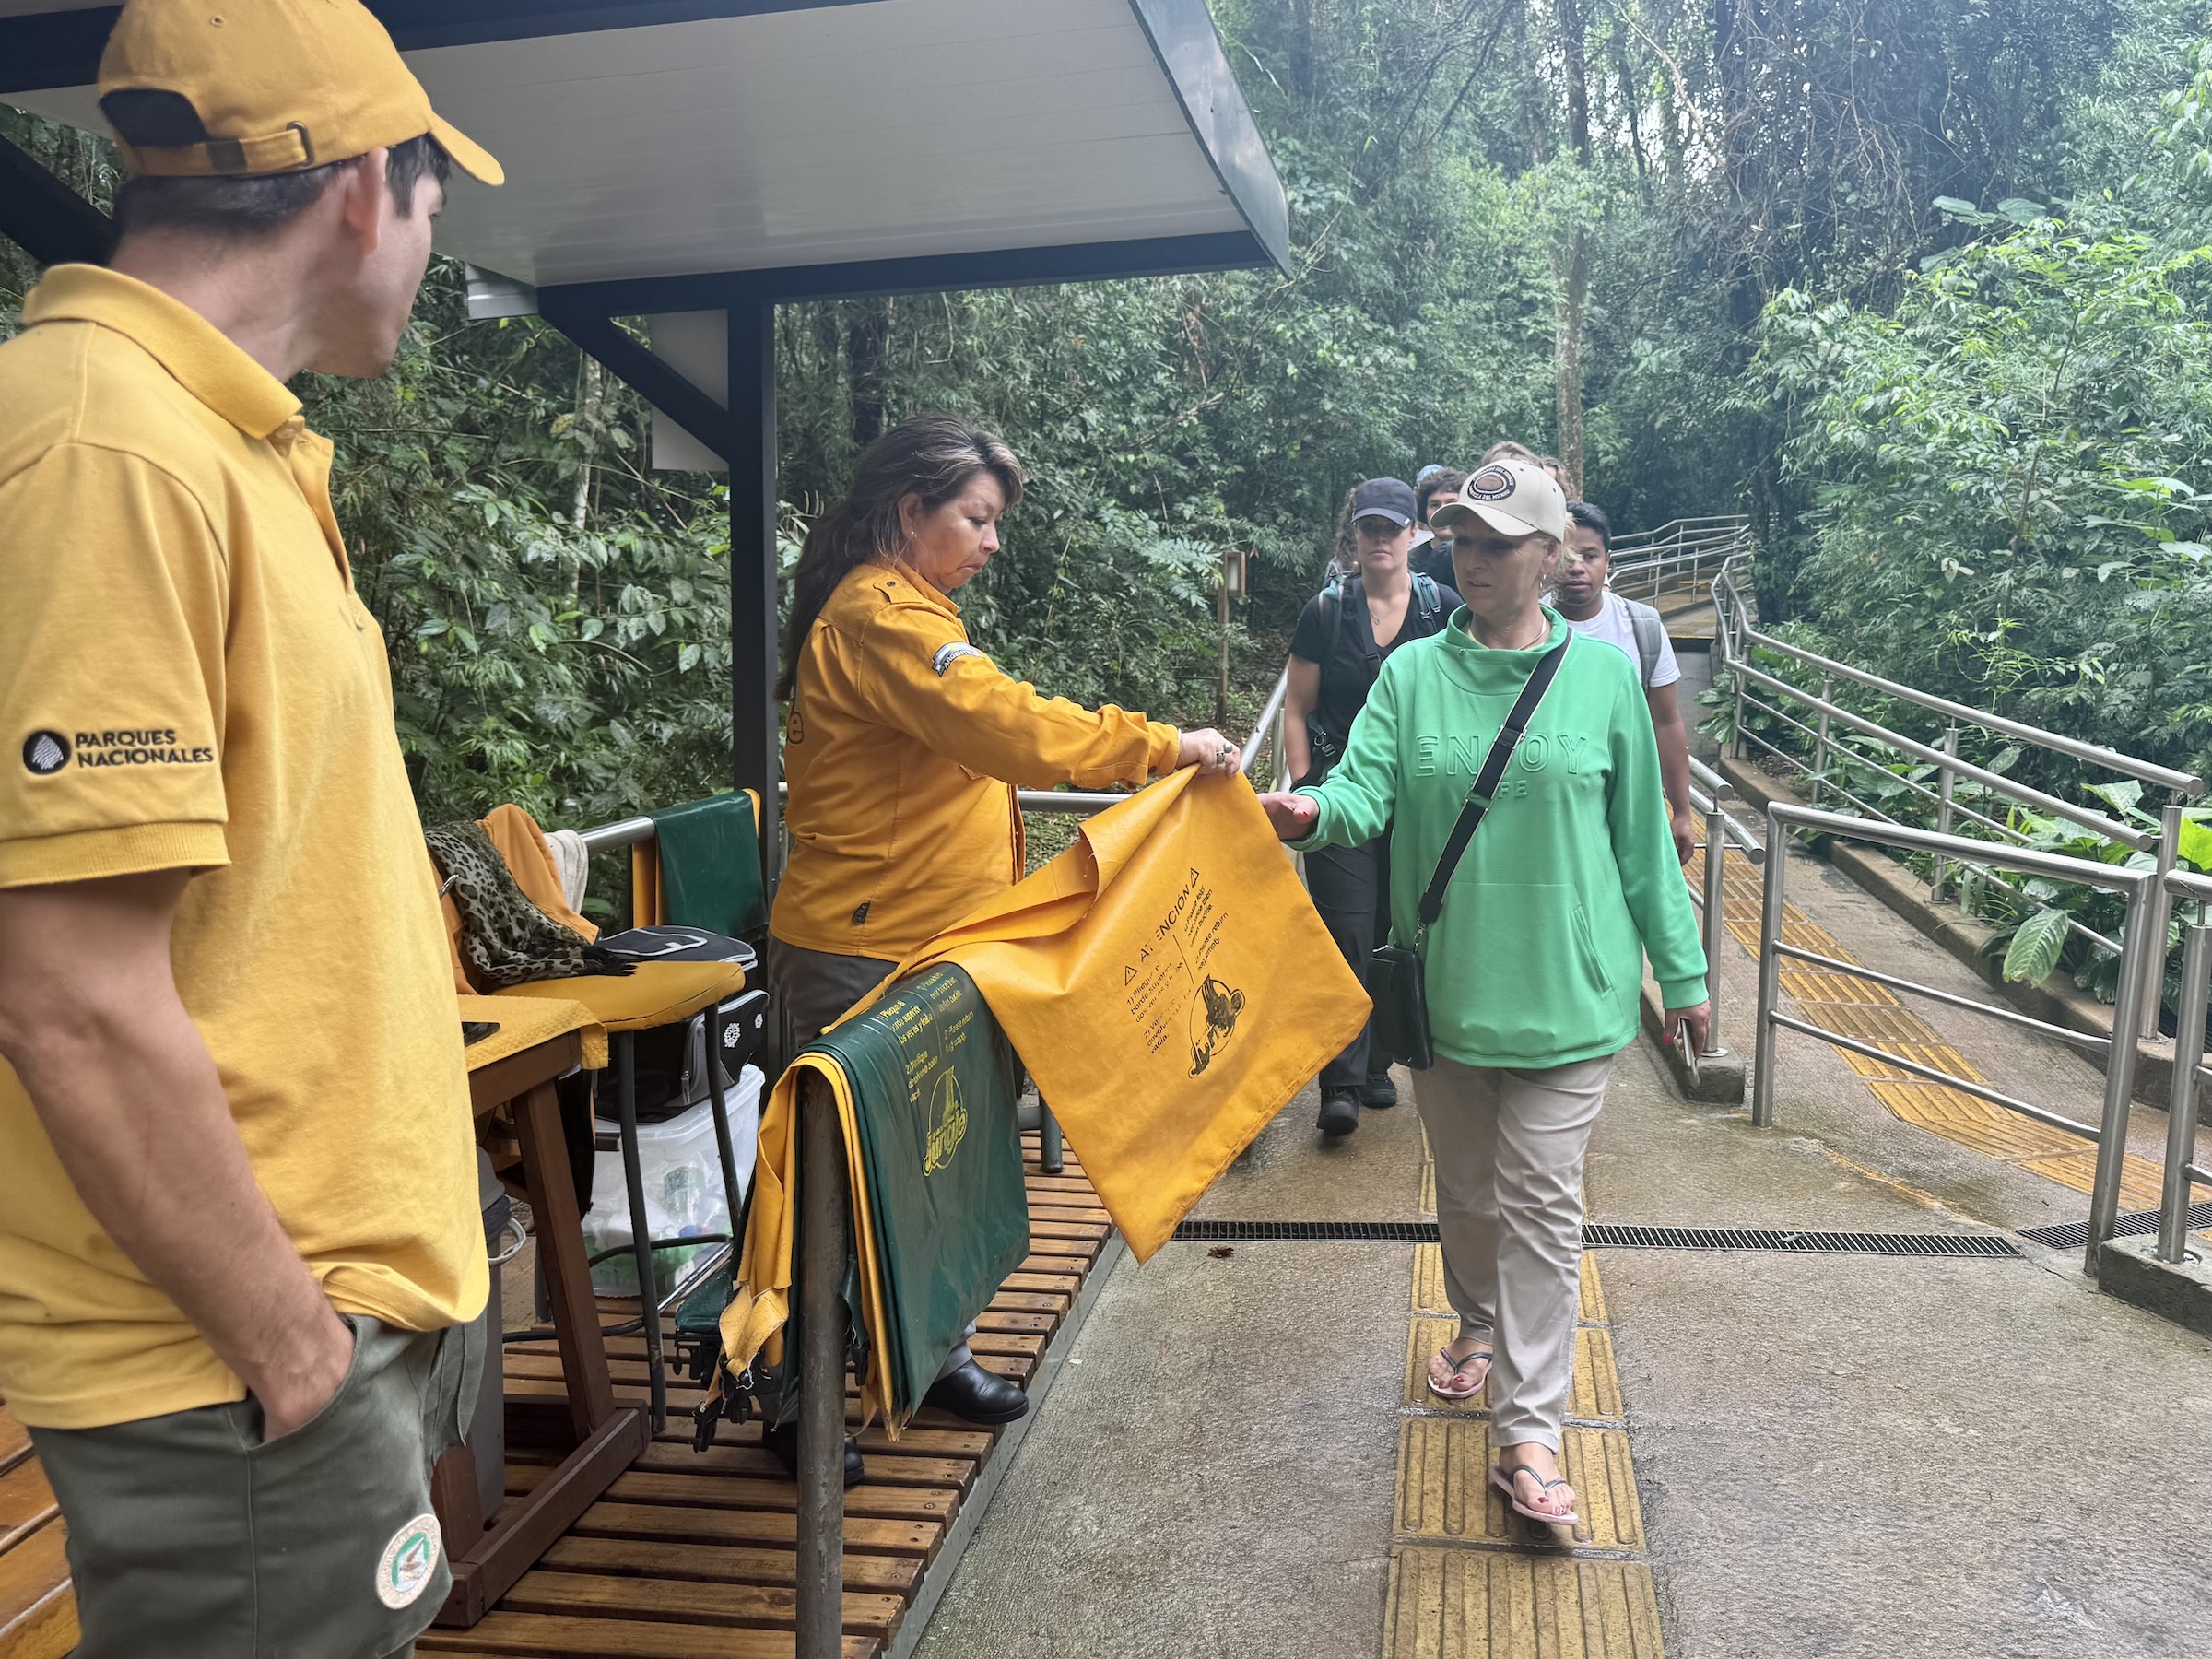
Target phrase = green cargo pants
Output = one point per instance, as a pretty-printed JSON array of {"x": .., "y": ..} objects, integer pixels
[{"x": 192, "y": 1537}]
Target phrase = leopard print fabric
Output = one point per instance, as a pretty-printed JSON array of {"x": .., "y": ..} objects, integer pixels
[{"x": 505, "y": 939}]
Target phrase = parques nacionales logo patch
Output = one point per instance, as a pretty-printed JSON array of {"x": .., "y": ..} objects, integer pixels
[
  {"x": 403, "y": 1572},
  {"x": 45, "y": 753}
]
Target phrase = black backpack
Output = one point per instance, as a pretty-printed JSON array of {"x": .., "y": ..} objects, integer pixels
[{"x": 1326, "y": 746}]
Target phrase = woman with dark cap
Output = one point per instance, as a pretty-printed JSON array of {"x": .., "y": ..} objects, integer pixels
[{"x": 1343, "y": 636}]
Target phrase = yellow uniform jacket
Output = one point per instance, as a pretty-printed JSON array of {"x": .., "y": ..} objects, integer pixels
[{"x": 903, "y": 748}]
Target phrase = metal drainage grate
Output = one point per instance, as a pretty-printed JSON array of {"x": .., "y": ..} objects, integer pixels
[
  {"x": 1598, "y": 1235},
  {"x": 1607, "y": 1235},
  {"x": 2073, "y": 1235},
  {"x": 1309, "y": 1232}
]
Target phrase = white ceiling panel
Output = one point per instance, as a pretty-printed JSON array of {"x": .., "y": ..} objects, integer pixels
[{"x": 830, "y": 134}]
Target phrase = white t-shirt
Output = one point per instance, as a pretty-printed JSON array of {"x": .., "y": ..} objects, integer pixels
[{"x": 1613, "y": 625}]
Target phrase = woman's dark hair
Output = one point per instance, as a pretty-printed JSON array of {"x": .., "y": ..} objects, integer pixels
[
  {"x": 1590, "y": 516},
  {"x": 933, "y": 456}
]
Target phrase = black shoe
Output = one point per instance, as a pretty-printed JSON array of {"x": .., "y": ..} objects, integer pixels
[
  {"x": 1378, "y": 1092},
  {"x": 784, "y": 1443},
  {"x": 1339, "y": 1110},
  {"x": 976, "y": 1395}
]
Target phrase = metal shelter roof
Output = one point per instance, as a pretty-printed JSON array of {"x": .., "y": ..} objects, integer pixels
[
  {"x": 654, "y": 138},
  {"x": 695, "y": 162}
]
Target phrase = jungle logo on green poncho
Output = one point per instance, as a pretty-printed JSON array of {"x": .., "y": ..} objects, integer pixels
[{"x": 948, "y": 1124}]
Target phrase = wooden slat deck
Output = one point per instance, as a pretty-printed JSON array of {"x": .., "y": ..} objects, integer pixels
[
  {"x": 690, "y": 1556},
  {"x": 38, "y": 1613}
]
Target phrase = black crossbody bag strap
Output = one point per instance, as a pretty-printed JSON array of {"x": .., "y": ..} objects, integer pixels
[{"x": 1487, "y": 782}]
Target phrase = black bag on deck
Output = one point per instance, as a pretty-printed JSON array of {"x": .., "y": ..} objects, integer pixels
[{"x": 1395, "y": 978}]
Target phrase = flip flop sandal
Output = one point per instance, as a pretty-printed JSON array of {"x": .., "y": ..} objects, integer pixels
[
  {"x": 1502, "y": 1478},
  {"x": 1459, "y": 1367}
]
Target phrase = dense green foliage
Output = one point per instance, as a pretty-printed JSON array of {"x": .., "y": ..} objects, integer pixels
[{"x": 1679, "y": 244}]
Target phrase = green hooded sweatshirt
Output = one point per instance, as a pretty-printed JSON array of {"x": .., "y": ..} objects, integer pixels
[{"x": 1570, "y": 881}]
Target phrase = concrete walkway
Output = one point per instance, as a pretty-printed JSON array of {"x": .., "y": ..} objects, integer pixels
[{"x": 1837, "y": 1455}]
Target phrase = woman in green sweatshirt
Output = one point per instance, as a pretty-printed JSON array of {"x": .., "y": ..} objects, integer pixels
[{"x": 1535, "y": 968}]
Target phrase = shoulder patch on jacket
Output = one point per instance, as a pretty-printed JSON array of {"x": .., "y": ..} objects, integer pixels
[{"x": 948, "y": 655}]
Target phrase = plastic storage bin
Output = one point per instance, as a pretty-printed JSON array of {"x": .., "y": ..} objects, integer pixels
[{"x": 682, "y": 1176}]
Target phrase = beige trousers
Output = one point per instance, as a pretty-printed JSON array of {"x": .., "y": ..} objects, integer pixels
[{"x": 1508, "y": 1147}]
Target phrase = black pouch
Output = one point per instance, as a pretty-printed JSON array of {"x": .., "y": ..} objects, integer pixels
[
  {"x": 1400, "y": 992},
  {"x": 1396, "y": 981}
]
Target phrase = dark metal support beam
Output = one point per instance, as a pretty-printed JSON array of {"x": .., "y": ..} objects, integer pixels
[
  {"x": 822, "y": 1319},
  {"x": 756, "y": 754},
  {"x": 46, "y": 219},
  {"x": 923, "y": 273},
  {"x": 653, "y": 378}
]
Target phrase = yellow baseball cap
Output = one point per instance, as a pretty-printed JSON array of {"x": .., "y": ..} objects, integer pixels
[{"x": 277, "y": 84}]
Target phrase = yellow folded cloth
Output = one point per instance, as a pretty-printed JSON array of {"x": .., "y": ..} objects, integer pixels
[
  {"x": 525, "y": 1022},
  {"x": 1169, "y": 985},
  {"x": 754, "y": 1321}
]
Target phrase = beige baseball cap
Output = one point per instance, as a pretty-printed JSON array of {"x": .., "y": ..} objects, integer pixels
[
  {"x": 277, "y": 84},
  {"x": 1514, "y": 498}
]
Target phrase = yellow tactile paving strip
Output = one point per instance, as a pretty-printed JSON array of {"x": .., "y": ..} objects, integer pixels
[
  {"x": 1873, "y": 1014},
  {"x": 1469, "y": 1604},
  {"x": 1595, "y": 1397},
  {"x": 1468, "y": 1578}
]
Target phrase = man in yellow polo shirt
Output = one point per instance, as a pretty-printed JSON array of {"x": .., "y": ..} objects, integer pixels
[{"x": 239, "y": 1233}]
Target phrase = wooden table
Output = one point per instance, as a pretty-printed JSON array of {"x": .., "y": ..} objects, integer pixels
[{"x": 538, "y": 1042}]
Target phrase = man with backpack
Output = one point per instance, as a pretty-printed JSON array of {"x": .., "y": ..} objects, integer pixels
[
  {"x": 1343, "y": 636},
  {"x": 1581, "y": 597}
]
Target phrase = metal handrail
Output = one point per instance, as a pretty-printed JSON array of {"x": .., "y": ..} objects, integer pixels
[
  {"x": 1736, "y": 637},
  {"x": 2143, "y": 840},
  {"x": 2181, "y": 1173},
  {"x": 1706, "y": 787},
  {"x": 629, "y": 832},
  {"x": 1682, "y": 547},
  {"x": 2137, "y": 887},
  {"x": 2096, "y": 754},
  {"x": 1269, "y": 726},
  {"x": 1636, "y": 540}
]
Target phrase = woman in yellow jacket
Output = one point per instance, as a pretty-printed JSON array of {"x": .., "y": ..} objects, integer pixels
[{"x": 904, "y": 745}]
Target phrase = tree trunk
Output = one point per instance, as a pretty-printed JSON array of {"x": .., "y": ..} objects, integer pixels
[
  {"x": 1631, "y": 100},
  {"x": 1301, "y": 50},
  {"x": 591, "y": 395},
  {"x": 1570, "y": 288},
  {"x": 867, "y": 340},
  {"x": 1575, "y": 56}
]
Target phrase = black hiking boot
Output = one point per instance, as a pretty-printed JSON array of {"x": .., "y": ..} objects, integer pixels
[
  {"x": 1339, "y": 1111},
  {"x": 1378, "y": 1092}
]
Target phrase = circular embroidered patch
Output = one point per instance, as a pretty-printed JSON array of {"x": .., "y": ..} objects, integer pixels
[
  {"x": 408, "y": 1560},
  {"x": 45, "y": 753},
  {"x": 1493, "y": 483}
]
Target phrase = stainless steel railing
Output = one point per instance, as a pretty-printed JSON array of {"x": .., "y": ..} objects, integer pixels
[
  {"x": 2144, "y": 893},
  {"x": 1268, "y": 738},
  {"x": 1681, "y": 553},
  {"x": 626, "y": 833},
  {"x": 1707, "y": 788},
  {"x": 1736, "y": 637},
  {"x": 2183, "y": 1173}
]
